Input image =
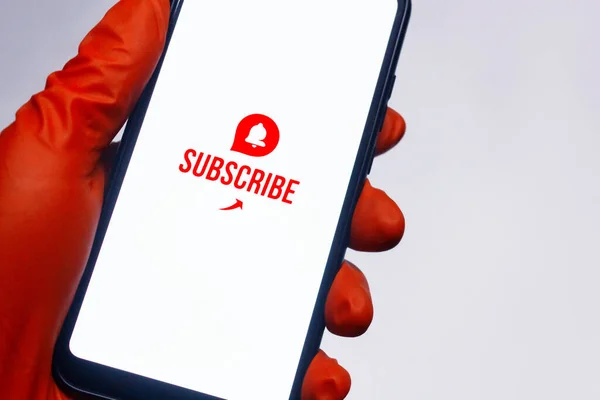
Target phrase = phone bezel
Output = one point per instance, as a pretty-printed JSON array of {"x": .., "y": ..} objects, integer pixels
[{"x": 81, "y": 377}]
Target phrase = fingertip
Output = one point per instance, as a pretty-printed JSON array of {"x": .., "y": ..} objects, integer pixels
[
  {"x": 349, "y": 306},
  {"x": 90, "y": 98},
  {"x": 163, "y": 14},
  {"x": 393, "y": 130},
  {"x": 127, "y": 41},
  {"x": 132, "y": 35},
  {"x": 391, "y": 222},
  {"x": 325, "y": 379},
  {"x": 378, "y": 223}
]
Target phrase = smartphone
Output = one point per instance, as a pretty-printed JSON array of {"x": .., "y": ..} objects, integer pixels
[{"x": 228, "y": 211}]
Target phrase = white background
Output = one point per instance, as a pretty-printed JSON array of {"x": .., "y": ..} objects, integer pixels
[{"x": 493, "y": 292}]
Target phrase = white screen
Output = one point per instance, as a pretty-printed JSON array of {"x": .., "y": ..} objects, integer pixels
[{"x": 219, "y": 301}]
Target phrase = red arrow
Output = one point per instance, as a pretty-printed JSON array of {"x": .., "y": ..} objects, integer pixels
[{"x": 238, "y": 204}]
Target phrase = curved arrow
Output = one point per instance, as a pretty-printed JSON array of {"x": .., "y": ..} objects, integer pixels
[{"x": 238, "y": 204}]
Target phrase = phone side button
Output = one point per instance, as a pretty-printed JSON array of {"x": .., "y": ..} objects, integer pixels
[
  {"x": 370, "y": 166},
  {"x": 371, "y": 159},
  {"x": 391, "y": 87},
  {"x": 378, "y": 128},
  {"x": 380, "y": 120}
]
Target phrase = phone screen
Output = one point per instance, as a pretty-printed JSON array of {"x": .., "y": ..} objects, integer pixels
[{"x": 209, "y": 270}]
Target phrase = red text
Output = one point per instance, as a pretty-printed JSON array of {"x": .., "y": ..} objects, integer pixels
[{"x": 242, "y": 177}]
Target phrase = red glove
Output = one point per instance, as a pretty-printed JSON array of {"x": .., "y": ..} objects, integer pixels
[{"x": 52, "y": 177}]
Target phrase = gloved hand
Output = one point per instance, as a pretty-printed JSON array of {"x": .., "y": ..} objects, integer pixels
[{"x": 53, "y": 166}]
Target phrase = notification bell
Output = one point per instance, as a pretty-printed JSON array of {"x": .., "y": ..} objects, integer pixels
[{"x": 257, "y": 135}]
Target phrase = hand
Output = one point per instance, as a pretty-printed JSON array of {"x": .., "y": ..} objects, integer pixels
[{"x": 53, "y": 166}]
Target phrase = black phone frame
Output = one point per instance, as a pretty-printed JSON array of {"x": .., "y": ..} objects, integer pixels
[{"x": 81, "y": 378}]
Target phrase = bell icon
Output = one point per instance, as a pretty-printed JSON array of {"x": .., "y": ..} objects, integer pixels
[{"x": 257, "y": 135}]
